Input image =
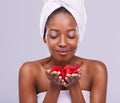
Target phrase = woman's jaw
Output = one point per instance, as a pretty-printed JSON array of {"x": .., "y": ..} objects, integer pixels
[{"x": 63, "y": 60}]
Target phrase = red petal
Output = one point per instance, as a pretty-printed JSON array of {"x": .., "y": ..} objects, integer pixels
[
  {"x": 56, "y": 68},
  {"x": 68, "y": 69}
]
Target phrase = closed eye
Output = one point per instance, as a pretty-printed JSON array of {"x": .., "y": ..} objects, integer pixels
[
  {"x": 53, "y": 34},
  {"x": 71, "y": 34}
]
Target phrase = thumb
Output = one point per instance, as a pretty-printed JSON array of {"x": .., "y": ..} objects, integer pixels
[{"x": 48, "y": 72}]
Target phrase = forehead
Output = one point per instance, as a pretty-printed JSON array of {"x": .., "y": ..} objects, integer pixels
[
  {"x": 62, "y": 18},
  {"x": 57, "y": 13}
]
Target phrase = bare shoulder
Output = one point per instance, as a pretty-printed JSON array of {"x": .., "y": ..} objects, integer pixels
[
  {"x": 99, "y": 74},
  {"x": 95, "y": 69},
  {"x": 95, "y": 65},
  {"x": 98, "y": 67},
  {"x": 31, "y": 68},
  {"x": 28, "y": 67},
  {"x": 28, "y": 74},
  {"x": 98, "y": 77}
]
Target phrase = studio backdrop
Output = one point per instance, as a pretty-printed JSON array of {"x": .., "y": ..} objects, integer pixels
[{"x": 20, "y": 41}]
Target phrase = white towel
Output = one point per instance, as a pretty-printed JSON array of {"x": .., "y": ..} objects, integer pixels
[
  {"x": 75, "y": 7},
  {"x": 64, "y": 96}
]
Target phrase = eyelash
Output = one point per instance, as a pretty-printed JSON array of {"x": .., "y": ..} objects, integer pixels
[
  {"x": 68, "y": 35},
  {"x": 53, "y": 36},
  {"x": 71, "y": 36}
]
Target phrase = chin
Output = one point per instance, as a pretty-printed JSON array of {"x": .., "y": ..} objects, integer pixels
[{"x": 63, "y": 59}]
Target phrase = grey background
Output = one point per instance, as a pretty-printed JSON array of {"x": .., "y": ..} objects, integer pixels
[{"x": 20, "y": 41}]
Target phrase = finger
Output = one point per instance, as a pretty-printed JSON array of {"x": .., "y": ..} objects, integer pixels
[
  {"x": 56, "y": 77},
  {"x": 76, "y": 76},
  {"x": 63, "y": 81},
  {"x": 79, "y": 72},
  {"x": 68, "y": 78},
  {"x": 60, "y": 80},
  {"x": 47, "y": 72},
  {"x": 65, "y": 84},
  {"x": 51, "y": 75},
  {"x": 72, "y": 78}
]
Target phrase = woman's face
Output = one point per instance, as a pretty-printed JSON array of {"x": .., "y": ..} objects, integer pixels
[{"x": 62, "y": 36}]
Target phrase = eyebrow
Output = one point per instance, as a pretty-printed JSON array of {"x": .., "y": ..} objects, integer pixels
[
  {"x": 58, "y": 30},
  {"x": 71, "y": 30},
  {"x": 54, "y": 30}
]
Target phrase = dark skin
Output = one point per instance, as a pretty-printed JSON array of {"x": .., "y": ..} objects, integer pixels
[{"x": 62, "y": 40}]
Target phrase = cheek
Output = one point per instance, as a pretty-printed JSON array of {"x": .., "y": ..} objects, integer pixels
[
  {"x": 51, "y": 43},
  {"x": 73, "y": 43}
]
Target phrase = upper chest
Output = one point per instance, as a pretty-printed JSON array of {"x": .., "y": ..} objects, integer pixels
[{"x": 43, "y": 83}]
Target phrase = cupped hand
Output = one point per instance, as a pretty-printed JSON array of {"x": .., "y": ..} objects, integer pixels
[
  {"x": 54, "y": 77},
  {"x": 71, "y": 79}
]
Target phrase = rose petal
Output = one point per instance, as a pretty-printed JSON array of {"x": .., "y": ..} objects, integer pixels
[{"x": 68, "y": 69}]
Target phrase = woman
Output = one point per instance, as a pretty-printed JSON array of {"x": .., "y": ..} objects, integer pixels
[{"x": 39, "y": 83}]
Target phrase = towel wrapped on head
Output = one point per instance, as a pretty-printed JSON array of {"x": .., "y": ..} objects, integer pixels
[{"x": 75, "y": 7}]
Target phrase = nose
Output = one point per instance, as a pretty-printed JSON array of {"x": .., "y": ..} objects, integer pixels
[{"x": 62, "y": 41}]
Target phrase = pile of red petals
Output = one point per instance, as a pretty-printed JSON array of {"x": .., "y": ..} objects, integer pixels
[{"x": 68, "y": 69}]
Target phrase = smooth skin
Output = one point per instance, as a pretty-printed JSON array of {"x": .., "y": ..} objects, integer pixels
[{"x": 62, "y": 40}]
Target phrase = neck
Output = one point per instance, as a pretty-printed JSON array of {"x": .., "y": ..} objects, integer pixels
[{"x": 71, "y": 61}]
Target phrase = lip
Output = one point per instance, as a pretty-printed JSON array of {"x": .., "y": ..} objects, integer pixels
[{"x": 62, "y": 52}]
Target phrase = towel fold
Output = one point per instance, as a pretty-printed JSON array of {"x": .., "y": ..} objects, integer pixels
[{"x": 75, "y": 7}]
